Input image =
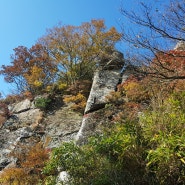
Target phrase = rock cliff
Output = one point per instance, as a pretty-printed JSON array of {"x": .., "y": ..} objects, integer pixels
[
  {"x": 106, "y": 79},
  {"x": 28, "y": 124}
]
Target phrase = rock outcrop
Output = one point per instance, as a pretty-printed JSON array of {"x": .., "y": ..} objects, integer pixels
[
  {"x": 28, "y": 125},
  {"x": 106, "y": 79}
]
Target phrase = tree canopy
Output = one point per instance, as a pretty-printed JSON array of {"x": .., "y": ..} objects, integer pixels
[
  {"x": 77, "y": 49},
  {"x": 66, "y": 54},
  {"x": 31, "y": 69}
]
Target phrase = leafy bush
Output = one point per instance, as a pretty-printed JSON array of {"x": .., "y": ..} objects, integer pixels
[
  {"x": 42, "y": 103},
  {"x": 163, "y": 129},
  {"x": 83, "y": 164},
  {"x": 110, "y": 159}
]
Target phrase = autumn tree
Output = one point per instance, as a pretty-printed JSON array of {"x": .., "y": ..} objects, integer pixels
[
  {"x": 77, "y": 48},
  {"x": 152, "y": 35},
  {"x": 31, "y": 69},
  {"x": 14, "y": 73}
]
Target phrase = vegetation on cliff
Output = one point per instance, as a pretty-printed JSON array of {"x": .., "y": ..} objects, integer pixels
[
  {"x": 143, "y": 142},
  {"x": 143, "y": 139}
]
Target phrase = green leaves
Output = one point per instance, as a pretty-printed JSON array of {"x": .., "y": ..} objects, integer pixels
[
  {"x": 164, "y": 131},
  {"x": 42, "y": 103}
]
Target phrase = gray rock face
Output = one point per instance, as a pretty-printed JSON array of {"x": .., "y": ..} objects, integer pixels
[
  {"x": 21, "y": 106},
  {"x": 16, "y": 129},
  {"x": 29, "y": 116},
  {"x": 24, "y": 127},
  {"x": 105, "y": 81},
  {"x": 61, "y": 126},
  {"x": 114, "y": 61},
  {"x": 22, "y": 113},
  {"x": 8, "y": 142}
]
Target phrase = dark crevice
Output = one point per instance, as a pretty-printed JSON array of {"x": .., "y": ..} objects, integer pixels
[
  {"x": 96, "y": 108},
  {"x": 4, "y": 164}
]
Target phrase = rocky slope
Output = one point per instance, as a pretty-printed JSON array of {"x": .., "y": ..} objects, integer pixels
[{"x": 28, "y": 125}]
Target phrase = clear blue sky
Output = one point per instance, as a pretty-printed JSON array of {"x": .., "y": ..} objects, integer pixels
[{"x": 24, "y": 21}]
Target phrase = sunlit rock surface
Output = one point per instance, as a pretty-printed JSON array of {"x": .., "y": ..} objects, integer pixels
[{"x": 106, "y": 79}]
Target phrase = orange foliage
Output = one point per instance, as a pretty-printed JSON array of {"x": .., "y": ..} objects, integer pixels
[
  {"x": 30, "y": 69},
  {"x": 135, "y": 89},
  {"x": 10, "y": 99},
  {"x": 28, "y": 94},
  {"x": 79, "y": 102},
  {"x": 130, "y": 112},
  {"x": 29, "y": 168},
  {"x": 4, "y": 113},
  {"x": 80, "y": 86}
]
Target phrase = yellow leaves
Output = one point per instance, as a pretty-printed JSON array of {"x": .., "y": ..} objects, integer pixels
[
  {"x": 35, "y": 76},
  {"x": 49, "y": 88},
  {"x": 75, "y": 47},
  {"x": 182, "y": 160},
  {"x": 136, "y": 90},
  {"x": 79, "y": 102},
  {"x": 131, "y": 86},
  {"x": 14, "y": 176},
  {"x": 133, "y": 90},
  {"x": 182, "y": 157},
  {"x": 76, "y": 99},
  {"x": 37, "y": 83},
  {"x": 62, "y": 86}
]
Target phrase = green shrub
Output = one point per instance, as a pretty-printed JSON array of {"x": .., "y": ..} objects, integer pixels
[
  {"x": 42, "y": 103},
  {"x": 111, "y": 159},
  {"x": 164, "y": 130},
  {"x": 82, "y": 163}
]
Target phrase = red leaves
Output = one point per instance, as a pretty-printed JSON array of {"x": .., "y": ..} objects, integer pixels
[{"x": 170, "y": 65}]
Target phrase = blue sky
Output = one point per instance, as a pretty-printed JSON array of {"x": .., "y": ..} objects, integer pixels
[{"x": 24, "y": 21}]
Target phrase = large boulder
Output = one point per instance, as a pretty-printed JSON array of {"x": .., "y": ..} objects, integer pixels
[
  {"x": 104, "y": 82},
  {"x": 114, "y": 60},
  {"x": 30, "y": 116},
  {"x": 21, "y": 106},
  {"x": 106, "y": 79}
]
